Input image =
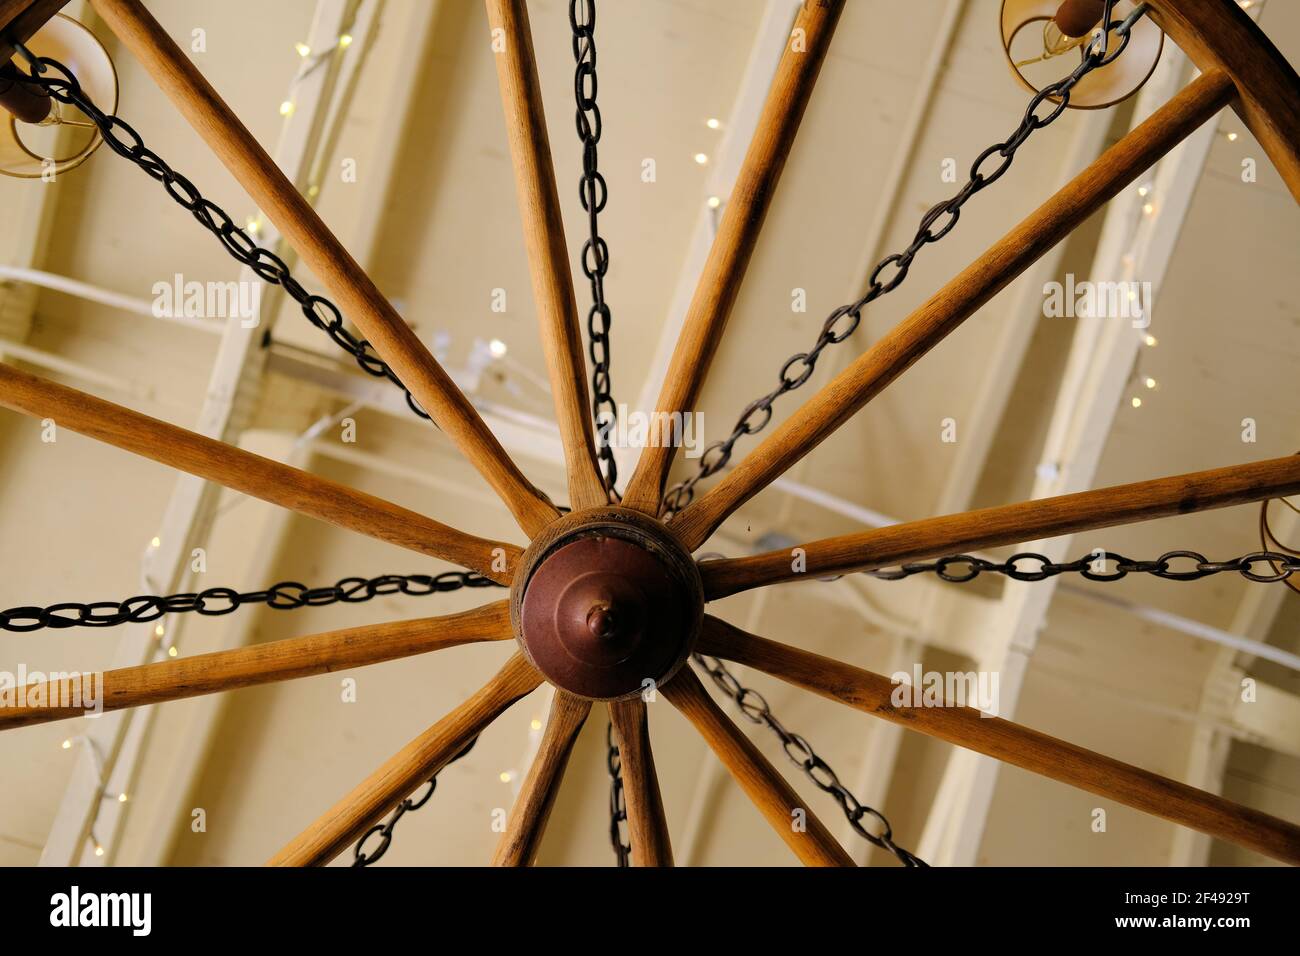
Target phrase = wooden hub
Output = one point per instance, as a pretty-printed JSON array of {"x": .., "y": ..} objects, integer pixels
[{"x": 605, "y": 601}]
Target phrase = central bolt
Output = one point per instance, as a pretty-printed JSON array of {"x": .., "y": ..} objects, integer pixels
[{"x": 602, "y": 621}]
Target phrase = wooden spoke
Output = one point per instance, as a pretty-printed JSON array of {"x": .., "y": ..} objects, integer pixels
[
  {"x": 405, "y": 771},
  {"x": 767, "y": 789},
  {"x": 897, "y": 351},
  {"x": 19, "y": 19},
  {"x": 1220, "y": 36},
  {"x": 746, "y": 208},
  {"x": 647, "y": 825},
  {"x": 318, "y": 248},
  {"x": 548, "y": 255},
  {"x": 251, "y": 474},
  {"x": 1010, "y": 743},
  {"x": 523, "y": 836},
  {"x": 249, "y": 666},
  {"x": 1009, "y": 524}
]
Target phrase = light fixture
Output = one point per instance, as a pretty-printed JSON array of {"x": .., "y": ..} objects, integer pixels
[
  {"x": 1037, "y": 35},
  {"x": 48, "y": 137}
]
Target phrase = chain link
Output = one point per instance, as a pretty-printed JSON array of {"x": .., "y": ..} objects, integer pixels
[
  {"x": 593, "y": 192},
  {"x": 385, "y": 830},
  {"x": 122, "y": 139},
  {"x": 892, "y": 270},
  {"x": 1031, "y": 566},
  {"x": 214, "y": 602},
  {"x": 755, "y": 707},
  {"x": 617, "y": 802}
]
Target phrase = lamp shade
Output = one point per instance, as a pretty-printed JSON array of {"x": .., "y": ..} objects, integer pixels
[
  {"x": 66, "y": 138},
  {"x": 1023, "y": 23}
]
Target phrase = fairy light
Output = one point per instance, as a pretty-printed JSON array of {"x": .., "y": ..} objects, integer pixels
[
  {"x": 253, "y": 225},
  {"x": 1232, "y": 137},
  {"x": 506, "y": 776},
  {"x": 286, "y": 108},
  {"x": 159, "y": 631},
  {"x": 1135, "y": 402},
  {"x": 1151, "y": 341},
  {"x": 1150, "y": 382},
  {"x": 171, "y": 651},
  {"x": 99, "y": 849},
  {"x": 155, "y": 543},
  {"x": 535, "y": 724},
  {"x": 1148, "y": 208},
  {"x": 345, "y": 41},
  {"x": 498, "y": 348},
  {"x": 714, "y": 202},
  {"x": 121, "y": 798},
  {"x": 67, "y": 744},
  {"x": 701, "y": 158},
  {"x": 713, "y": 122},
  {"x": 303, "y": 49},
  {"x": 1144, "y": 190}
]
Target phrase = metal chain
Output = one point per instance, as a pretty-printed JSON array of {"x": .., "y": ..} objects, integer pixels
[
  {"x": 755, "y": 707},
  {"x": 385, "y": 829},
  {"x": 1030, "y": 566},
  {"x": 890, "y": 272},
  {"x": 593, "y": 192},
  {"x": 122, "y": 139},
  {"x": 617, "y": 803},
  {"x": 214, "y": 602}
]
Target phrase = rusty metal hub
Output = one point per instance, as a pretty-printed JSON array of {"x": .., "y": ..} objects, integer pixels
[{"x": 605, "y": 601}]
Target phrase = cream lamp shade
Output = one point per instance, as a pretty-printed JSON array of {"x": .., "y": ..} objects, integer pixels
[
  {"x": 1040, "y": 53},
  {"x": 66, "y": 137}
]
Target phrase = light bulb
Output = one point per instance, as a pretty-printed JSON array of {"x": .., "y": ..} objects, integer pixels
[
  {"x": 505, "y": 776},
  {"x": 99, "y": 850},
  {"x": 498, "y": 348},
  {"x": 1150, "y": 382},
  {"x": 1136, "y": 402},
  {"x": 171, "y": 651},
  {"x": 1232, "y": 137},
  {"x": 1151, "y": 341},
  {"x": 1148, "y": 209},
  {"x": 712, "y": 123},
  {"x": 155, "y": 543},
  {"x": 66, "y": 745},
  {"x": 158, "y": 631},
  {"x": 714, "y": 202},
  {"x": 303, "y": 49},
  {"x": 121, "y": 798},
  {"x": 345, "y": 41},
  {"x": 536, "y": 724},
  {"x": 701, "y": 158},
  {"x": 286, "y": 108}
]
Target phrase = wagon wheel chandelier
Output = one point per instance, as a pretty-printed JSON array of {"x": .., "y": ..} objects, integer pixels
[{"x": 606, "y": 600}]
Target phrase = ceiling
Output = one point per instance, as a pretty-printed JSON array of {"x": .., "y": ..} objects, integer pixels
[{"x": 431, "y": 213}]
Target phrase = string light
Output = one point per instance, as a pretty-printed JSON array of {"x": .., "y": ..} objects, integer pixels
[
  {"x": 159, "y": 631},
  {"x": 1151, "y": 341},
  {"x": 506, "y": 776},
  {"x": 1150, "y": 382},
  {"x": 155, "y": 543},
  {"x": 1232, "y": 137},
  {"x": 121, "y": 798},
  {"x": 701, "y": 158},
  {"x": 713, "y": 122},
  {"x": 714, "y": 202},
  {"x": 1144, "y": 190},
  {"x": 1148, "y": 209},
  {"x": 498, "y": 348},
  {"x": 67, "y": 744},
  {"x": 286, "y": 108},
  {"x": 345, "y": 41},
  {"x": 99, "y": 850},
  {"x": 1135, "y": 402},
  {"x": 303, "y": 49},
  {"x": 171, "y": 651},
  {"x": 536, "y": 724}
]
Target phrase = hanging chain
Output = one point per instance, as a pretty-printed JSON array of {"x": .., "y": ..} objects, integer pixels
[
  {"x": 617, "y": 801},
  {"x": 214, "y": 602},
  {"x": 1030, "y": 566},
  {"x": 755, "y": 707},
  {"x": 890, "y": 272},
  {"x": 593, "y": 192},
  {"x": 122, "y": 139},
  {"x": 385, "y": 829}
]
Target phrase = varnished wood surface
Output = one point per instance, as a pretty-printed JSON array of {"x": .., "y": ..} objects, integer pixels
[
  {"x": 1218, "y": 34},
  {"x": 408, "y": 769},
  {"x": 548, "y": 255},
  {"x": 907, "y": 342},
  {"x": 354, "y": 292},
  {"x": 260, "y": 664},
  {"x": 737, "y": 236},
  {"x": 251, "y": 474},
  {"x": 527, "y": 821},
  {"x": 1009, "y": 524},
  {"x": 775, "y": 799},
  {"x": 1010, "y": 743},
  {"x": 646, "y": 823}
]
